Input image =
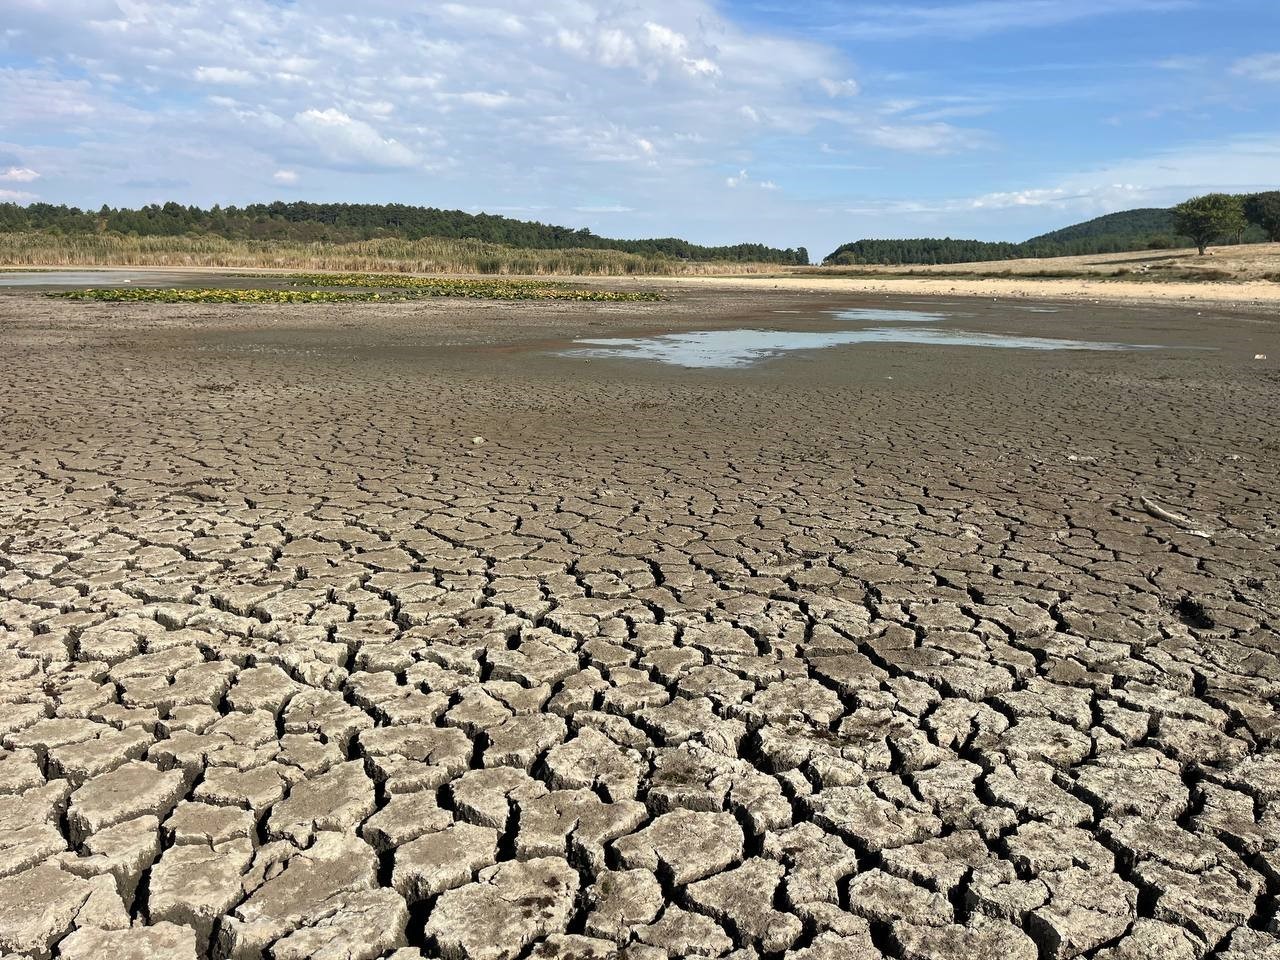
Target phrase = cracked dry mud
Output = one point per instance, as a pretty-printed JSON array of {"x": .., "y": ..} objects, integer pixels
[{"x": 868, "y": 653}]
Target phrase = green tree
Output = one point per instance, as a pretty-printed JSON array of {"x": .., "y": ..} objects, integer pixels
[
  {"x": 1205, "y": 219},
  {"x": 1263, "y": 209}
]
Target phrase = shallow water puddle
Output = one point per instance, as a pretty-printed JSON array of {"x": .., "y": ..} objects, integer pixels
[
  {"x": 872, "y": 315},
  {"x": 741, "y": 348}
]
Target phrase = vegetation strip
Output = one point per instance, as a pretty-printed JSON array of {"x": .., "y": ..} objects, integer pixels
[
  {"x": 429, "y": 256},
  {"x": 471, "y": 289},
  {"x": 1215, "y": 217},
  {"x": 343, "y": 223},
  {"x": 485, "y": 289}
]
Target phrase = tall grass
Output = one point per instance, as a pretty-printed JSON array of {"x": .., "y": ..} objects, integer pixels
[{"x": 375, "y": 256}]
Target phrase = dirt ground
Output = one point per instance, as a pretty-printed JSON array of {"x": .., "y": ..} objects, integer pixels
[
  {"x": 1248, "y": 261},
  {"x": 1237, "y": 295},
  {"x": 388, "y": 630}
]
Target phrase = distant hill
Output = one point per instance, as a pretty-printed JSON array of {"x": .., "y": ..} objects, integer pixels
[
  {"x": 347, "y": 222},
  {"x": 1142, "y": 224},
  {"x": 1151, "y": 228}
]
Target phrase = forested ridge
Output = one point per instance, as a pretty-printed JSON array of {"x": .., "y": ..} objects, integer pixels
[
  {"x": 348, "y": 222},
  {"x": 1146, "y": 229}
]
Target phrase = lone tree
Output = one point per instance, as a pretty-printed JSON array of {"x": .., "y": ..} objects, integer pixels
[
  {"x": 1205, "y": 219},
  {"x": 1263, "y": 209}
]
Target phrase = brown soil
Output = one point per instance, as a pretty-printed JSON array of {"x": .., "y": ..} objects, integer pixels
[{"x": 882, "y": 650}]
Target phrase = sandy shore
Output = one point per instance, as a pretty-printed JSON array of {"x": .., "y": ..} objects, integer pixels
[{"x": 1252, "y": 293}]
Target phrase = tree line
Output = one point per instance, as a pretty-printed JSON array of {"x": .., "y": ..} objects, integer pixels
[
  {"x": 1201, "y": 220},
  {"x": 350, "y": 222},
  {"x": 933, "y": 250},
  {"x": 1216, "y": 217}
]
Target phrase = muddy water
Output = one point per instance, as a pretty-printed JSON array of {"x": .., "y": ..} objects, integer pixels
[
  {"x": 88, "y": 278},
  {"x": 744, "y": 347}
]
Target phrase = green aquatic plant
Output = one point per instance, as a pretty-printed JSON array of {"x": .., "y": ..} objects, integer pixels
[
  {"x": 485, "y": 289},
  {"x": 210, "y": 295},
  {"x": 370, "y": 288}
]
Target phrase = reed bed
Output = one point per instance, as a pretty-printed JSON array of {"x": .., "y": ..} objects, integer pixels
[{"x": 368, "y": 256}]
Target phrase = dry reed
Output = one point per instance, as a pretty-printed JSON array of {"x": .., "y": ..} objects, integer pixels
[{"x": 374, "y": 256}]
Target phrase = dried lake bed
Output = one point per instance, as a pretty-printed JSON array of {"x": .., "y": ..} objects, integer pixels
[{"x": 430, "y": 629}]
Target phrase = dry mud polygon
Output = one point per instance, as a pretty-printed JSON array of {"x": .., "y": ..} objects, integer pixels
[{"x": 881, "y": 652}]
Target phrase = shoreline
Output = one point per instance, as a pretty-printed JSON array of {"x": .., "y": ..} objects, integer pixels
[{"x": 1237, "y": 295}]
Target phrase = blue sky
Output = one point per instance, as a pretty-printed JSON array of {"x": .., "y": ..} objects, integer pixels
[{"x": 762, "y": 120}]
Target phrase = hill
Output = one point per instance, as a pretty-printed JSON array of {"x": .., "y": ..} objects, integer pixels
[
  {"x": 1150, "y": 228},
  {"x": 1144, "y": 224},
  {"x": 353, "y": 222}
]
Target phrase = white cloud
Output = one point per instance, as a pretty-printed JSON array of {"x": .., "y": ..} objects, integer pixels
[
  {"x": 346, "y": 140},
  {"x": 743, "y": 179},
  {"x": 486, "y": 100},
  {"x": 394, "y": 83},
  {"x": 614, "y": 208},
  {"x": 16, "y": 196},
  {"x": 485, "y": 19},
  {"x": 1182, "y": 64},
  {"x": 1162, "y": 178},
  {"x": 700, "y": 67},
  {"x": 963, "y": 20},
  {"x": 839, "y": 88},
  {"x": 922, "y": 137},
  {"x": 1262, "y": 66},
  {"x": 665, "y": 40},
  {"x": 655, "y": 49},
  {"x": 285, "y": 177},
  {"x": 19, "y": 175},
  {"x": 223, "y": 75}
]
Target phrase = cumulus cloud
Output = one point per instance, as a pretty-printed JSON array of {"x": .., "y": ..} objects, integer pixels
[
  {"x": 543, "y": 107},
  {"x": 19, "y": 175},
  {"x": 16, "y": 196},
  {"x": 391, "y": 84},
  {"x": 345, "y": 140},
  {"x": 658, "y": 51},
  {"x": 743, "y": 179},
  {"x": 485, "y": 99},
  {"x": 839, "y": 88},
  {"x": 222, "y": 75}
]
